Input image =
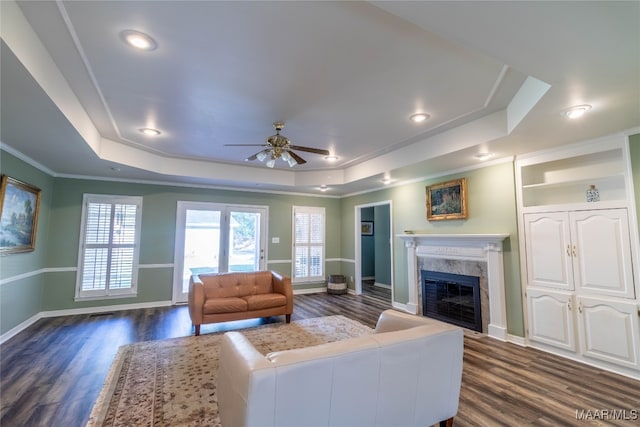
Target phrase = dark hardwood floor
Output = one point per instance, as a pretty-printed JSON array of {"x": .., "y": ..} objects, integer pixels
[
  {"x": 370, "y": 289},
  {"x": 51, "y": 373}
]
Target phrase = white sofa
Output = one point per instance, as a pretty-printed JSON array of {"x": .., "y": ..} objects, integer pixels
[{"x": 407, "y": 373}]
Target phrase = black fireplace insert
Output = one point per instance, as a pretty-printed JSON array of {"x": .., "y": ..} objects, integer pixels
[{"x": 452, "y": 298}]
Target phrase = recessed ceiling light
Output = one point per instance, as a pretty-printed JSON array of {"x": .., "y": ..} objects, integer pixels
[
  {"x": 150, "y": 131},
  {"x": 331, "y": 158},
  {"x": 483, "y": 156},
  {"x": 386, "y": 181},
  {"x": 139, "y": 40},
  {"x": 577, "y": 111},
  {"x": 115, "y": 169},
  {"x": 419, "y": 117},
  {"x": 323, "y": 188}
]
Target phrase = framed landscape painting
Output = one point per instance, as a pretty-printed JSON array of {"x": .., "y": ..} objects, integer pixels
[
  {"x": 19, "y": 204},
  {"x": 447, "y": 200}
]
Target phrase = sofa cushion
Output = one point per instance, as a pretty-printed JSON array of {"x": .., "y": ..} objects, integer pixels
[
  {"x": 225, "y": 285},
  {"x": 224, "y": 305},
  {"x": 258, "y": 302}
]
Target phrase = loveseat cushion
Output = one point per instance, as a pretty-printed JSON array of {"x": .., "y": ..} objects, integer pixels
[
  {"x": 224, "y": 285},
  {"x": 224, "y": 305},
  {"x": 261, "y": 301}
]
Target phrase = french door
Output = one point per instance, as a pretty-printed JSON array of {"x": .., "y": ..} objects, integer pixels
[{"x": 213, "y": 238}]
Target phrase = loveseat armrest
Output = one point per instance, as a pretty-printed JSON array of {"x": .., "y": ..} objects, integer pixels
[
  {"x": 282, "y": 285},
  {"x": 392, "y": 320},
  {"x": 244, "y": 374},
  {"x": 196, "y": 299}
]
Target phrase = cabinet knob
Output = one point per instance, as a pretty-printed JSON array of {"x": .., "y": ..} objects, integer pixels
[
  {"x": 580, "y": 307},
  {"x": 569, "y": 305},
  {"x": 568, "y": 250},
  {"x": 575, "y": 251}
]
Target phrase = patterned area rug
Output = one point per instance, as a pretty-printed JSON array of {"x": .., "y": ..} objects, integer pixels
[{"x": 173, "y": 382}]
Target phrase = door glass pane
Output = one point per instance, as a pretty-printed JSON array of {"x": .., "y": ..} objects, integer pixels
[
  {"x": 201, "y": 244},
  {"x": 244, "y": 241}
]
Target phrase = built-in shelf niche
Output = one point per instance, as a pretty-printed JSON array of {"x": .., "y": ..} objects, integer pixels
[{"x": 565, "y": 181}]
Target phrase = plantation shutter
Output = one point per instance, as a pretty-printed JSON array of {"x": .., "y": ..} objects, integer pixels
[
  {"x": 309, "y": 244},
  {"x": 109, "y": 247}
]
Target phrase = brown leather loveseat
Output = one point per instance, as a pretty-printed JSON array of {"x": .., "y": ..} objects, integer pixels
[{"x": 223, "y": 297}]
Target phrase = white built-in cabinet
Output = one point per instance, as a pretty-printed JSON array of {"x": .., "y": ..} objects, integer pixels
[{"x": 578, "y": 258}]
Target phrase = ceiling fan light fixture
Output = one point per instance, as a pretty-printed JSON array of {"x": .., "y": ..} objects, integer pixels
[
  {"x": 139, "y": 40},
  {"x": 271, "y": 162},
  {"x": 287, "y": 158}
]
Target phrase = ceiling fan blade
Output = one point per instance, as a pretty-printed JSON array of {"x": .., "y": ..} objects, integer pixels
[
  {"x": 310, "y": 150},
  {"x": 245, "y": 145},
  {"x": 299, "y": 160}
]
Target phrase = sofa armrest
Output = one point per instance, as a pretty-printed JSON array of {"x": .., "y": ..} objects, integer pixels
[
  {"x": 246, "y": 383},
  {"x": 392, "y": 320},
  {"x": 196, "y": 299},
  {"x": 282, "y": 285}
]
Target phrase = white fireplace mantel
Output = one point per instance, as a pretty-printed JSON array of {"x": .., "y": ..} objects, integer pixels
[{"x": 478, "y": 247}]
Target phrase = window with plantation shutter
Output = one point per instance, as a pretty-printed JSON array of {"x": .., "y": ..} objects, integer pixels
[
  {"x": 109, "y": 246},
  {"x": 308, "y": 244}
]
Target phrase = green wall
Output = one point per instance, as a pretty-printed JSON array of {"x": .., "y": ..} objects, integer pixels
[
  {"x": 21, "y": 296},
  {"x": 375, "y": 249},
  {"x": 491, "y": 205},
  {"x": 367, "y": 246},
  {"x": 158, "y": 230},
  {"x": 44, "y": 280},
  {"x": 50, "y": 270},
  {"x": 382, "y": 235}
]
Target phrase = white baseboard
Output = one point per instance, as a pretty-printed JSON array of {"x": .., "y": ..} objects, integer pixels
[
  {"x": 409, "y": 308},
  {"x": 75, "y": 311},
  {"x": 19, "y": 328},
  {"x": 382, "y": 285},
  {"x": 514, "y": 339},
  {"x": 309, "y": 291},
  {"x": 105, "y": 308}
]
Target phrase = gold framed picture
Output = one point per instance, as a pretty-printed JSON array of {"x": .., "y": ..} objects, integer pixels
[
  {"x": 366, "y": 228},
  {"x": 447, "y": 200},
  {"x": 19, "y": 204}
]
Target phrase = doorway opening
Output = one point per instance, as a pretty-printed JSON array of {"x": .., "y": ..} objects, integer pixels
[
  {"x": 216, "y": 238},
  {"x": 374, "y": 250}
]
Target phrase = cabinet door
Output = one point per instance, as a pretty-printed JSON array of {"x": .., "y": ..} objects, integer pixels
[
  {"x": 601, "y": 251},
  {"x": 609, "y": 331},
  {"x": 551, "y": 319},
  {"x": 548, "y": 250}
]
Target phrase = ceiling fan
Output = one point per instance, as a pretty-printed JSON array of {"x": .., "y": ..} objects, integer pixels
[{"x": 280, "y": 147}]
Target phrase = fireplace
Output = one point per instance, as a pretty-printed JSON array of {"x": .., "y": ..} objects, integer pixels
[
  {"x": 452, "y": 298},
  {"x": 480, "y": 255}
]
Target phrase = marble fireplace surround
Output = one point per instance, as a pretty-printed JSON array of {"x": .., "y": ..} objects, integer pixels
[{"x": 483, "y": 248}]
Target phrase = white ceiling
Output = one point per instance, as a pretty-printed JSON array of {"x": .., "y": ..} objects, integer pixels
[{"x": 343, "y": 76}]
